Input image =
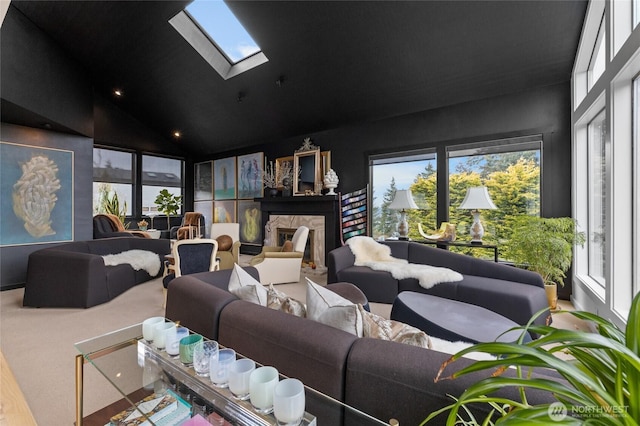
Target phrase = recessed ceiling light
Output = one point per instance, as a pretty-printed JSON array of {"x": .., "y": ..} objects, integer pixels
[
  {"x": 117, "y": 92},
  {"x": 177, "y": 134}
]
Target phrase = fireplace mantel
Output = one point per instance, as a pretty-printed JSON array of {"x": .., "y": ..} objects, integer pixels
[{"x": 316, "y": 205}]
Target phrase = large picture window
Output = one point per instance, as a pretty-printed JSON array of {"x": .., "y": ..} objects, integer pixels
[
  {"x": 596, "y": 197},
  {"x": 159, "y": 173},
  {"x": 112, "y": 178}
]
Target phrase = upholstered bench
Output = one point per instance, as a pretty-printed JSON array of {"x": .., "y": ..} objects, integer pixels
[{"x": 452, "y": 320}]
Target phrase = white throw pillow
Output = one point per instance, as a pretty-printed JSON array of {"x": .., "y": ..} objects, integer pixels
[
  {"x": 329, "y": 308},
  {"x": 246, "y": 287}
]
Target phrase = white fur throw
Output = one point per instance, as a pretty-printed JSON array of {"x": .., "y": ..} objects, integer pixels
[
  {"x": 378, "y": 257},
  {"x": 138, "y": 259}
]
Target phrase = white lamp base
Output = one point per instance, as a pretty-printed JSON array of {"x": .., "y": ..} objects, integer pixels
[
  {"x": 477, "y": 230},
  {"x": 403, "y": 226}
]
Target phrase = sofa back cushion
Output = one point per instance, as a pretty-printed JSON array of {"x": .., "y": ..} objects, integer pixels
[{"x": 297, "y": 347}]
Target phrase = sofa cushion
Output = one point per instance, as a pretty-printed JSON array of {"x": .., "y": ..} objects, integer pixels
[
  {"x": 245, "y": 287},
  {"x": 378, "y": 327},
  {"x": 331, "y": 309},
  {"x": 281, "y": 302},
  {"x": 378, "y": 286}
]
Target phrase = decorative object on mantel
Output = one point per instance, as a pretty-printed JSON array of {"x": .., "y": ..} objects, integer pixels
[
  {"x": 331, "y": 181},
  {"x": 270, "y": 178},
  {"x": 307, "y": 145}
]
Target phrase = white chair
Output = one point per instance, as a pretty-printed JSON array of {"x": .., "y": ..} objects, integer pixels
[
  {"x": 276, "y": 266},
  {"x": 227, "y": 258}
]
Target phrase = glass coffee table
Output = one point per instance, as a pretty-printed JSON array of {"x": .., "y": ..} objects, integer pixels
[{"x": 136, "y": 370}]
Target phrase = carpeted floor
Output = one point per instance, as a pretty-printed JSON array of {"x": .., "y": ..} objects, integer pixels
[{"x": 39, "y": 344}]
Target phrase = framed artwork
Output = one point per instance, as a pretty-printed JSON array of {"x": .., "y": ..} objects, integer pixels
[
  {"x": 203, "y": 181},
  {"x": 250, "y": 175},
  {"x": 250, "y": 220},
  {"x": 37, "y": 194},
  {"x": 224, "y": 211},
  {"x": 206, "y": 208},
  {"x": 224, "y": 178}
]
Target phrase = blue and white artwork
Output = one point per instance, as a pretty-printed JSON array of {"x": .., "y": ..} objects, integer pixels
[{"x": 37, "y": 195}]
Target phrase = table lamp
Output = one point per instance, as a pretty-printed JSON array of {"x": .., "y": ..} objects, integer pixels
[
  {"x": 402, "y": 201},
  {"x": 477, "y": 199}
]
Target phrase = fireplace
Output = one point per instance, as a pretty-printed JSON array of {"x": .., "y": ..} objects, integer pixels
[
  {"x": 321, "y": 214},
  {"x": 284, "y": 234}
]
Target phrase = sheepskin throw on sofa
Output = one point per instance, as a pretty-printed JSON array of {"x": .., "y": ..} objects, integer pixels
[
  {"x": 138, "y": 259},
  {"x": 376, "y": 256}
]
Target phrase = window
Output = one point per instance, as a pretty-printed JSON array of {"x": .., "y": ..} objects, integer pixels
[
  {"x": 605, "y": 160},
  {"x": 509, "y": 168},
  {"x": 197, "y": 24},
  {"x": 220, "y": 24},
  {"x": 598, "y": 57},
  {"x": 596, "y": 198},
  {"x": 159, "y": 173},
  {"x": 112, "y": 176},
  {"x": 408, "y": 170}
]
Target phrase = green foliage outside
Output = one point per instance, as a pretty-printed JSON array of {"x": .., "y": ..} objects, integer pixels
[{"x": 513, "y": 181}]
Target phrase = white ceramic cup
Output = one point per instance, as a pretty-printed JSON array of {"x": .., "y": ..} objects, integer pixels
[
  {"x": 262, "y": 383},
  {"x": 160, "y": 334},
  {"x": 172, "y": 337},
  {"x": 239, "y": 375},
  {"x": 288, "y": 402},
  {"x": 219, "y": 368},
  {"x": 148, "y": 327}
]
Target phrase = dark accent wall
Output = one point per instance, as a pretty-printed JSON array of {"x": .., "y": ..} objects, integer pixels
[{"x": 48, "y": 100}]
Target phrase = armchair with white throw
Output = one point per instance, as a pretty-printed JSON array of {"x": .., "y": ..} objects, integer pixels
[{"x": 281, "y": 264}]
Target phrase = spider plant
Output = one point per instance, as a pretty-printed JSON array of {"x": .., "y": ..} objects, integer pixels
[{"x": 602, "y": 376}]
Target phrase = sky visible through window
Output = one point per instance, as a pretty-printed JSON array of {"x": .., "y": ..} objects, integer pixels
[{"x": 222, "y": 26}]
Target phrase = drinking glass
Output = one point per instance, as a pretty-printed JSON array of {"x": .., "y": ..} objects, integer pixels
[
  {"x": 187, "y": 345},
  {"x": 262, "y": 383},
  {"x": 239, "y": 375},
  {"x": 288, "y": 402},
  {"x": 148, "y": 327},
  {"x": 219, "y": 368},
  {"x": 160, "y": 333},
  {"x": 202, "y": 355},
  {"x": 172, "y": 343}
]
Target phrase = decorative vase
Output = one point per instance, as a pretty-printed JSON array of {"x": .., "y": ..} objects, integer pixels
[
  {"x": 143, "y": 228},
  {"x": 552, "y": 295},
  {"x": 331, "y": 181}
]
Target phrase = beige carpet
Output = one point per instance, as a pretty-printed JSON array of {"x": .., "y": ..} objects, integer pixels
[{"x": 39, "y": 344}]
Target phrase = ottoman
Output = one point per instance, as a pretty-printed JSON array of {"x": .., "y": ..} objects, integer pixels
[{"x": 452, "y": 320}]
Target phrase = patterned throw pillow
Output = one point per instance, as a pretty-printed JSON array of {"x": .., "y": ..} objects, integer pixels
[
  {"x": 281, "y": 302},
  {"x": 245, "y": 287},
  {"x": 331, "y": 309},
  {"x": 377, "y": 327}
]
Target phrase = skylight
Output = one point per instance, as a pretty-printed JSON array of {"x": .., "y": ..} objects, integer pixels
[{"x": 220, "y": 24}]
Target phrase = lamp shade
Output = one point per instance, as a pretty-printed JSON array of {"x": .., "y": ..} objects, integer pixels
[
  {"x": 403, "y": 200},
  {"x": 477, "y": 198}
]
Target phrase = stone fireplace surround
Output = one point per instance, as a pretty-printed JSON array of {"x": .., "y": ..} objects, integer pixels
[{"x": 320, "y": 213}]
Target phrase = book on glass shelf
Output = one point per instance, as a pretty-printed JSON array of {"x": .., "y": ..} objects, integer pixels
[{"x": 155, "y": 407}]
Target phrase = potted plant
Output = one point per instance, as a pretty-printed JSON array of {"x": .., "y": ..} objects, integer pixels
[
  {"x": 168, "y": 204},
  {"x": 142, "y": 225},
  {"x": 544, "y": 245},
  {"x": 601, "y": 376},
  {"x": 109, "y": 203}
]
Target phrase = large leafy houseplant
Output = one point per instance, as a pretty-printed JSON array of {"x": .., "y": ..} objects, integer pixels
[
  {"x": 168, "y": 204},
  {"x": 602, "y": 376},
  {"x": 544, "y": 245}
]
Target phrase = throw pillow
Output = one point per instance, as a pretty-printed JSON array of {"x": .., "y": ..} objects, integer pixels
[
  {"x": 287, "y": 247},
  {"x": 245, "y": 287},
  {"x": 281, "y": 302},
  {"x": 377, "y": 327},
  {"x": 329, "y": 308},
  {"x": 224, "y": 242}
]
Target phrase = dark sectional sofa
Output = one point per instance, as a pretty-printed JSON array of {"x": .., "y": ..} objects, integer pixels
[
  {"x": 384, "y": 379},
  {"x": 512, "y": 292},
  {"x": 73, "y": 275}
]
